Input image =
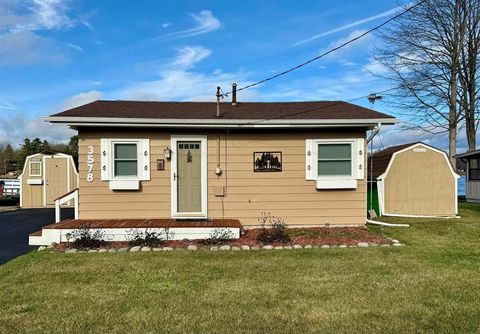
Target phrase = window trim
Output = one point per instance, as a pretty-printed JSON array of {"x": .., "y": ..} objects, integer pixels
[
  {"x": 107, "y": 160},
  {"x": 138, "y": 160},
  {"x": 314, "y": 160},
  {"x": 30, "y": 168}
]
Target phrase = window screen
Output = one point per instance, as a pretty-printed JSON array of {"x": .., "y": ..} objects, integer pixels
[
  {"x": 125, "y": 160},
  {"x": 334, "y": 160}
]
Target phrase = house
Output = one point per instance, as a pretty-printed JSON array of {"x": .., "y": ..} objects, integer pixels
[
  {"x": 414, "y": 180},
  {"x": 46, "y": 176},
  {"x": 472, "y": 159},
  {"x": 194, "y": 166}
]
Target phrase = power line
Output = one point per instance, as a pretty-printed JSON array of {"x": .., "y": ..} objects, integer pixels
[
  {"x": 331, "y": 50},
  {"x": 332, "y": 104}
]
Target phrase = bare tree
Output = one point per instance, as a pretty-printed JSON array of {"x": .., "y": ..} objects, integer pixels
[
  {"x": 422, "y": 53},
  {"x": 469, "y": 69}
]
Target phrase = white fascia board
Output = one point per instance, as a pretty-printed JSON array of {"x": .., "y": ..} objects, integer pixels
[{"x": 214, "y": 123}]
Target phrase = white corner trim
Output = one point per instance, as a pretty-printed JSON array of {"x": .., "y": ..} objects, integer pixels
[
  {"x": 336, "y": 184},
  {"x": 34, "y": 181},
  {"x": 124, "y": 184}
]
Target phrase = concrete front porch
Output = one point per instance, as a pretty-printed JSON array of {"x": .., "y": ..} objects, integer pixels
[{"x": 120, "y": 229}]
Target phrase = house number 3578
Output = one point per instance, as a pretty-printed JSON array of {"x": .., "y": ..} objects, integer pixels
[{"x": 90, "y": 162}]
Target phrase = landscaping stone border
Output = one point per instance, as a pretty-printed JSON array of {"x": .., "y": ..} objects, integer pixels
[{"x": 193, "y": 248}]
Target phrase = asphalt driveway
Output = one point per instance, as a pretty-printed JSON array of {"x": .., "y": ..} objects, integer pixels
[{"x": 15, "y": 226}]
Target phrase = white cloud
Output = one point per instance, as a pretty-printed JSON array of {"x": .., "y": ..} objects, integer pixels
[
  {"x": 75, "y": 47},
  {"x": 41, "y": 15},
  {"x": 81, "y": 99},
  {"x": 5, "y": 105},
  {"x": 205, "y": 22},
  {"x": 16, "y": 126},
  {"x": 364, "y": 44},
  {"x": 348, "y": 26},
  {"x": 166, "y": 25},
  {"x": 20, "y": 22},
  {"x": 182, "y": 85},
  {"x": 188, "y": 56},
  {"x": 21, "y": 48}
]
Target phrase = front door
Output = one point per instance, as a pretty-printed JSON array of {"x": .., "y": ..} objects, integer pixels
[
  {"x": 55, "y": 179},
  {"x": 188, "y": 177}
]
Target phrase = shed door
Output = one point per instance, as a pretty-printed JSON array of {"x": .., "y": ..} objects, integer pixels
[{"x": 55, "y": 179}]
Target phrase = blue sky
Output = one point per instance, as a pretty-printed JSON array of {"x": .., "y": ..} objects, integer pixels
[{"x": 57, "y": 54}]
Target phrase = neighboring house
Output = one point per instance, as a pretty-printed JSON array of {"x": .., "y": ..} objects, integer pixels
[
  {"x": 9, "y": 187},
  {"x": 302, "y": 161},
  {"x": 414, "y": 180},
  {"x": 45, "y": 177},
  {"x": 472, "y": 159}
]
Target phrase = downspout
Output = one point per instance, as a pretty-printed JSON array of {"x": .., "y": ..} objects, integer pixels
[{"x": 369, "y": 221}]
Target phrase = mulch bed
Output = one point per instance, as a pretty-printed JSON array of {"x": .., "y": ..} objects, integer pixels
[{"x": 332, "y": 236}]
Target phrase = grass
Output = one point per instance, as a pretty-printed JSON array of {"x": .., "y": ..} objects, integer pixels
[{"x": 432, "y": 285}]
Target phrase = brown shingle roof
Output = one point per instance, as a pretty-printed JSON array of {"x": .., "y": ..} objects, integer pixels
[
  {"x": 381, "y": 159},
  {"x": 207, "y": 110}
]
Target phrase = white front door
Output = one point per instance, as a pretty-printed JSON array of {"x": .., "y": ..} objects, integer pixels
[{"x": 189, "y": 176}]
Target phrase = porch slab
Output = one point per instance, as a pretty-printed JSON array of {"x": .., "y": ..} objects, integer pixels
[
  {"x": 121, "y": 229},
  {"x": 139, "y": 223}
]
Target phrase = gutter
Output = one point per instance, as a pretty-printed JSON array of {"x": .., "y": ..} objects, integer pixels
[{"x": 156, "y": 122}]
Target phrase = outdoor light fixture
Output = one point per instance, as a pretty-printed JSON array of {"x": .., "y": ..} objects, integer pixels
[{"x": 167, "y": 152}]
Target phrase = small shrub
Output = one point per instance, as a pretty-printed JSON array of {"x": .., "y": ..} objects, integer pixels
[
  {"x": 85, "y": 237},
  {"x": 218, "y": 236},
  {"x": 148, "y": 237},
  {"x": 273, "y": 229}
]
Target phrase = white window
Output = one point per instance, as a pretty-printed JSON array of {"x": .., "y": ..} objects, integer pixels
[
  {"x": 334, "y": 159},
  {"x": 335, "y": 163},
  {"x": 125, "y": 162},
  {"x": 35, "y": 168}
]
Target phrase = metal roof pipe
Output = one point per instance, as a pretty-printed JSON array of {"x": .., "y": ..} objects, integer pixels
[{"x": 234, "y": 94}]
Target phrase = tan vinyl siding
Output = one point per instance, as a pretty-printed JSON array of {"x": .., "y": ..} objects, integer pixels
[
  {"x": 247, "y": 194},
  {"x": 420, "y": 183}
]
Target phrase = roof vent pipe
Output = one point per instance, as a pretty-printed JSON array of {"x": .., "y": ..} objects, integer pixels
[
  {"x": 234, "y": 94},
  {"x": 219, "y": 95}
]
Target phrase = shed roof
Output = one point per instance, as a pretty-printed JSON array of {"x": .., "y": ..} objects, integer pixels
[
  {"x": 468, "y": 154},
  {"x": 381, "y": 159}
]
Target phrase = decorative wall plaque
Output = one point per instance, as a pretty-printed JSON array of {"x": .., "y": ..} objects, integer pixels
[{"x": 267, "y": 161}]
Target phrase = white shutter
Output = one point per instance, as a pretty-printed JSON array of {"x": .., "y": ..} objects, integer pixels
[
  {"x": 105, "y": 159},
  {"x": 360, "y": 158},
  {"x": 145, "y": 153},
  {"x": 309, "y": 174}
]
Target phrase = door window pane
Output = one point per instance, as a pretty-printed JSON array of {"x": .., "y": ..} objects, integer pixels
[{"x": 125, "y": 160}]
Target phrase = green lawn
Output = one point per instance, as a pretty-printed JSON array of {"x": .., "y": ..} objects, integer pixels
[{"x": 432, "y": 285}]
